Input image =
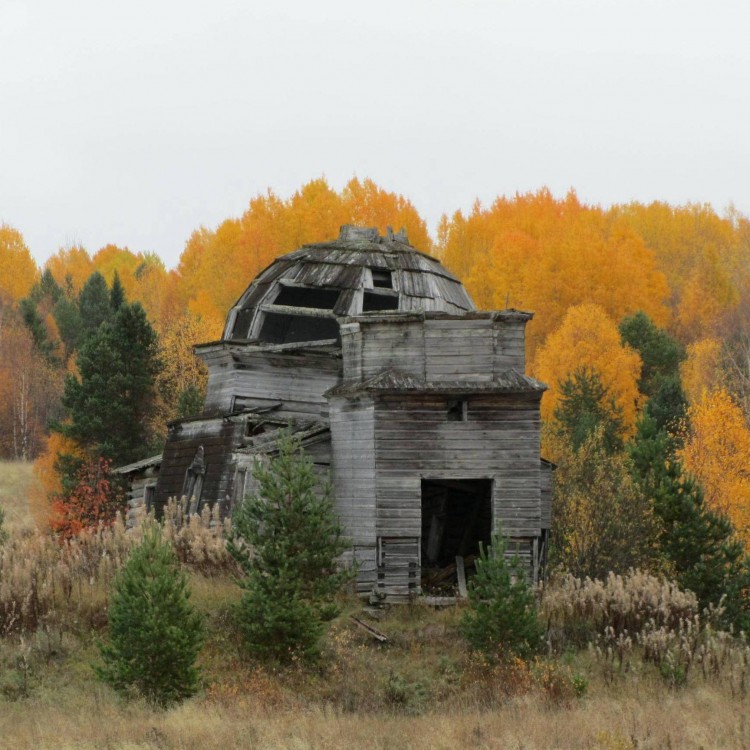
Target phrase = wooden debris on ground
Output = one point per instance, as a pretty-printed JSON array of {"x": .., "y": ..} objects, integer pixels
[{"x": 373, "y": 632}]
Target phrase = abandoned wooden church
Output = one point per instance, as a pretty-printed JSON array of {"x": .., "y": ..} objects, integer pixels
[{"x": 376, "y": 357}]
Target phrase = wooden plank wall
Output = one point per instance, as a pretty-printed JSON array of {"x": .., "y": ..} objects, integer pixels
[
  {"x": 296, "y": 382},
  {"x": 499, "y": 441},
  {"x": 136, "y": 494},
  {"x": 459, "y": 350},
  {"x": 218, "y": 438},
  {"x": 470, "y": 348},
  {"x": 353, "y": 469},
  {"x": 397, "y": 345},
  {"x": 546, "y": 496}
]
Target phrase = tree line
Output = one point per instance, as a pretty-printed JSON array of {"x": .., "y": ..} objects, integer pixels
[{"x": 638, "y": 309}]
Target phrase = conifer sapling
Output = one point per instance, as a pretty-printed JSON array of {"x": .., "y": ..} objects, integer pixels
[
  {"x": 154, "y": 632},
  {"x": 502, "y": 619}
]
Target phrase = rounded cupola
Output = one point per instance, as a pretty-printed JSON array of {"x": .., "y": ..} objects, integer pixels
[{"x": 302, "y": 296}]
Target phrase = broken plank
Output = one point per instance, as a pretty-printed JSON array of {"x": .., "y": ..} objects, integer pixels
[
  {"x": 461, "y": 574},
  {"x": 374, "y": 632}
]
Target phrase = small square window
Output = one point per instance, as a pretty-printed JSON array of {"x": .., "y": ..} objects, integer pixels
[
  {"x": 458, "y": 410},
  {"x": 382, "y": 278}
]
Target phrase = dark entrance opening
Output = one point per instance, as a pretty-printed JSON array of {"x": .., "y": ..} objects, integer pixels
[{"x": 456, "y": 517}]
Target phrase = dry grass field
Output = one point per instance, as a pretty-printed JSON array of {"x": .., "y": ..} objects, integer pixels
[
  {"x": 698, "y": 719},
  {"x": 421, "y": 690},
  {"x": 66, "y": 708},
  {"x": 16, "y": 481}
]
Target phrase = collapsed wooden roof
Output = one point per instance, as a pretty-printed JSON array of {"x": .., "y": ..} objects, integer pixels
[{"x": 302, "y": 295}]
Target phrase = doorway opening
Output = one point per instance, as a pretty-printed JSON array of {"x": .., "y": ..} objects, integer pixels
[{"x": 456, "y": 517}]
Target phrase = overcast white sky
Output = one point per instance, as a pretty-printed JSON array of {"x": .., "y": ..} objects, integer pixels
[{"x": 136, "y": 122}]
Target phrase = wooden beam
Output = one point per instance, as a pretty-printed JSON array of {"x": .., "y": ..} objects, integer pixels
[{"x": 461, "y": 575}]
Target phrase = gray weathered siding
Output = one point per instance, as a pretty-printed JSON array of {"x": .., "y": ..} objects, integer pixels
[
  {"x": 471, "y": 348},
  {"x": 499, "y": 441},
  {"x": 296, "y": 380},
  {"x": 353, "y": 470}
]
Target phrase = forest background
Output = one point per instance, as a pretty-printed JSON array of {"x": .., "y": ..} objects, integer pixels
[{"x": 581, "y": 269}]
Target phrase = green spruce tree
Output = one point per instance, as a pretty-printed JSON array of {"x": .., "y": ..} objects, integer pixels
[
  {"x": 501, "y": 620},
  {"x": 668, "y": 406},
  {"x": 94, "y": 304},
  {"x": 110, "y": 404},
  {"x": 584, "y": 407},
  {"x": 155, "y": 633},
  {"x": 117, "y": 293},
  {"x": 293, "y": 573},
  {"x": 660, "y": 353},
  {"x": 698, "y": 545}
]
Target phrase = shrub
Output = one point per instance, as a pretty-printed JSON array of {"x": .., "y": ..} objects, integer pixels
[
  {"x": 577, "y": 610},
  {"x": 502, "y": 618},
  {"x": 94, "y": 499},
  {"x": 287, "y": 539},
  {"x": 154, "y": 632}
]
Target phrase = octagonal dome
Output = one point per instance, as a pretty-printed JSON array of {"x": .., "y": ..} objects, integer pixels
[{"x": 302, "y": 296}]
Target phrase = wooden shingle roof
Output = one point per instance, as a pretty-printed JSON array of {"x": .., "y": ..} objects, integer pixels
[{"x": 357, "y": 273}]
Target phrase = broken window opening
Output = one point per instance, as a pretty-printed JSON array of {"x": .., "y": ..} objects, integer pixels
[
  {"x": 456, "y": 518},
  {"x": 241, "y": 328},
  {"x": 280, "y": 328},
  {"x": 373, "y": 302},
  {"x": 311, "y": 297},
  {"x": 458, "y": 410},
  {"x": 382, "y": 278},
  {"x": 252, "y": 428}
]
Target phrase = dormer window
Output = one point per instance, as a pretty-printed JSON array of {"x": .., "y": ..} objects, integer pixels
[{"x": 382, "y": 278}]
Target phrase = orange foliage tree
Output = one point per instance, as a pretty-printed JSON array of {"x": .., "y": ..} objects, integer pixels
[
  {"x": 589, "y": 339},
  {"x": 539, "y": 253},
  {"x": 216, "y": 266},
  {"x": 70, "y": 264},
  {"x": 701, "y": 372},
  {"x": 95, "y": 499},
  {"x": 703, "y": 255},
  {"x": 717, "y": 452},
  {"x": 180, "y": 369},
  {"x": 19, "y": 272},
  {"x": 49, "y": 486}
]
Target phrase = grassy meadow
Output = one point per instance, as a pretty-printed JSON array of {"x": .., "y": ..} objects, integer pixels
[
  {"x": 16, "y": 482},
  {"x": 423, "y": 689}
]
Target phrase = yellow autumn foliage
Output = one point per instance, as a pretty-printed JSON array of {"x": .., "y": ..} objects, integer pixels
[
  {"x": 588, "y": 338},
  {"x": 546, "y": 255},
  {"x": 717, "y": 452},
  {"x": 19, "y": 272},
  {"x": 701, "y": 371}
]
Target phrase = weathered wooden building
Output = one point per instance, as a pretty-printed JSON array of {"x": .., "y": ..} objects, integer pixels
[{"x": 375, "y": 356}]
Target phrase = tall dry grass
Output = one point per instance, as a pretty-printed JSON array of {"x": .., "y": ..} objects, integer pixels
[
  {"x": 54, "y": 584},
  {"x": 17, "y": 481},
  {"x": 577, "y": 610}
]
